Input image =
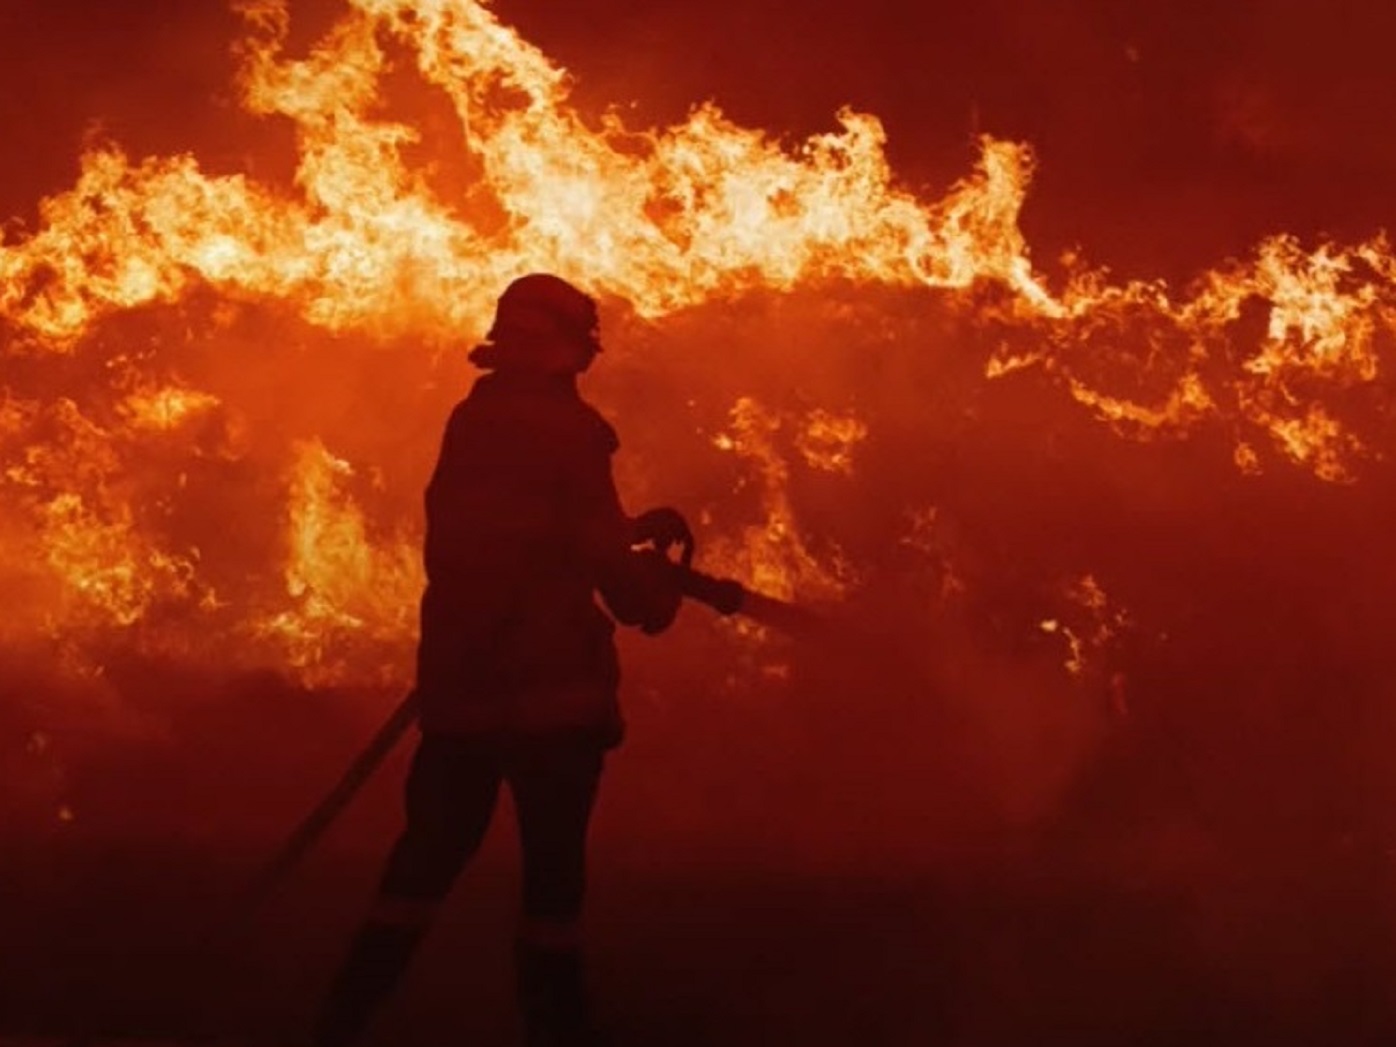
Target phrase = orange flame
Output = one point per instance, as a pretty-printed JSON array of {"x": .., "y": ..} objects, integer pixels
[
  {"x": 772, "y": 554},
  {"x": 663, "y": 219},
  {"x": 341, "y": 581}
]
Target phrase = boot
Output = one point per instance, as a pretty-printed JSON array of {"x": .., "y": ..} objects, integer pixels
[
  {"x": 377, "y": 958},
  {"x": 553, "y": 998}
]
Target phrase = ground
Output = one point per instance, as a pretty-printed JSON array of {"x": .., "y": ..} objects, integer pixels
[
  {"x": 723, "y": 909},
  {"x": 124, "y": 942}
]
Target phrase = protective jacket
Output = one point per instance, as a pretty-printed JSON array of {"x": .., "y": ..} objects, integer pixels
[{"x": 523, "y": 525}]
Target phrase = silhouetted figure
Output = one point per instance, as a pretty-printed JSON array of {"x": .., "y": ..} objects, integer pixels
[{"x": 517, "y": 673}]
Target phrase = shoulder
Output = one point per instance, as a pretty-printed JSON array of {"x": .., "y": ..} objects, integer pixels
[
  {"x": 577, "y": 424},
  {"x": 489, "y": 404},
  {"x": 598, "y": 431},
  {"x": 560, "y": 417}
]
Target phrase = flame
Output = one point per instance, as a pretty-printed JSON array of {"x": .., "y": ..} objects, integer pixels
[
  {"x": 369, "y": 243},
  {"x": 1095, "y": 624},
  {"x": 827, "y": 440},
  {"x": 773, "y": 554},
  {"x": 339, "y": 579},
  {"x": 166, "y": 407},
  {"x": 104, "y": 560},
  {"x": 664, "y": 219},
  {"x": 67, "y": 475}
]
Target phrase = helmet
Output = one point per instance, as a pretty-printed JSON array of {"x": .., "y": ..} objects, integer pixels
[{"x": 540, "y": 307}]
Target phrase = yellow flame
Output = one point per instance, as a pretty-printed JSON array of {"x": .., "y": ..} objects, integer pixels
[
  {"x": 772, "y": 556},
  {"x": 105, "y": 563},
  {"x": 165, "y": 407},
  {"x": 340, "y": 579},
  {"x": 826, "y": 440},
  {"x": 663, "y": 218}
]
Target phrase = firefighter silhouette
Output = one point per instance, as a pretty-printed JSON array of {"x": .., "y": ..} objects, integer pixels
[{"x": 517, "y": 673}]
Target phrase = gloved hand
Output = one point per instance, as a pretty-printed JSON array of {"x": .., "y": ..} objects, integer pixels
[
  {"x": 665, "y": 528},
  {"x": 641, "y": 590}
]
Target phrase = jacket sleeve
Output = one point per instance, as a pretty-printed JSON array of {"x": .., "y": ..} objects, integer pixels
[
  {"x": 637, "y": 587},
  {"x": 604, "y": 531}
]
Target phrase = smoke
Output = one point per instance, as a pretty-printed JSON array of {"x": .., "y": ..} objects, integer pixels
[{"x": 1222, "y": 746}]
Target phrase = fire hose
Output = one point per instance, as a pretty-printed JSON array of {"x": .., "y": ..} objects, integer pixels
[{"x": 724, "y": 595}]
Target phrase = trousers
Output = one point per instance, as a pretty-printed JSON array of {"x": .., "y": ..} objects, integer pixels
[{"x": 452, "y": 790}]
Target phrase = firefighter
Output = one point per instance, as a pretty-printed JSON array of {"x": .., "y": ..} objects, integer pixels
[{"x": 517, "y": 673}]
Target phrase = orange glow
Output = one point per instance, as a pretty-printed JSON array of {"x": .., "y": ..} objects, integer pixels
[
  {"x": 338, "y": 579},
  {"x": 772, "y": 555},
  {"x": 663, "y": 220}
]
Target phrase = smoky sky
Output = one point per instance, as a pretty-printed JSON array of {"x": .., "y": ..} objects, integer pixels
[{"x": 1169, "y": 135}]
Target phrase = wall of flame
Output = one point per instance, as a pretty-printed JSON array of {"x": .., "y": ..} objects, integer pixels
[{"x": 222, "y": 390}]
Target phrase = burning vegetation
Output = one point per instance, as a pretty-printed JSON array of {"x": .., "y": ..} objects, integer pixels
[{"x": 145, "y": 281}]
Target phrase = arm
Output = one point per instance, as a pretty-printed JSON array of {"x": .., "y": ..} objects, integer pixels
[
  {"x": 606, "y": 534},
  {"x": 639, "y": 587}
]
